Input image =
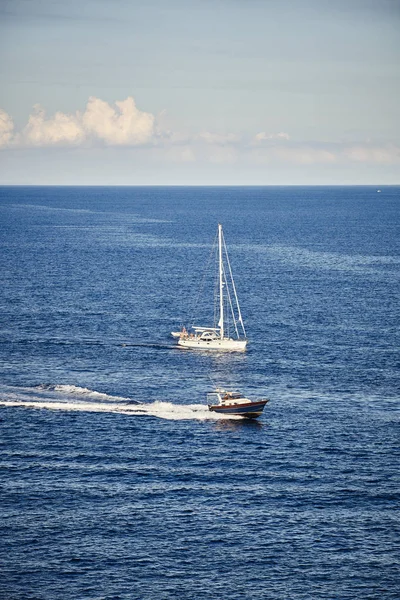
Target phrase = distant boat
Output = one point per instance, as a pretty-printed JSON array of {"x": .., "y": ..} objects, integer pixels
[
  {"x": 217, "y": 337},
  {"x": 378, "y": 191},
  {"x": 234, "y": 403}
]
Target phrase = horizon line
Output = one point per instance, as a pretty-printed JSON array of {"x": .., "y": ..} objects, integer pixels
[{"x": 211, "y": 185}]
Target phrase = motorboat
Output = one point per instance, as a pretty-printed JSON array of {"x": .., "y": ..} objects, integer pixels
[{"x": 234, "y": 403}]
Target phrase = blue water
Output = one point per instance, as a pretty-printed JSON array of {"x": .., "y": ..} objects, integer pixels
[{"x": 117, "y": 483}]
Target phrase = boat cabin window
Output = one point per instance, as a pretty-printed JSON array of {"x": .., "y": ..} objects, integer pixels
[
  {"x": 232, "y": 396},
  {"x": 208, "y": 335},
  {"x": 213, "y": 398}
]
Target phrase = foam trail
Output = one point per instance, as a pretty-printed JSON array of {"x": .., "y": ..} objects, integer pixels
[
  {"x": 71, "y": 398},
  {"x": 80, "y": 391},
  {"x": 55, "y": 392},
  {"x": 162, "y": 410}
]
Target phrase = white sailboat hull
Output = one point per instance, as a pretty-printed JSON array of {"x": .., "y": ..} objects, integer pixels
[
  {"x": 227, "y": 344},
  {"x": 217, "y": 338}
]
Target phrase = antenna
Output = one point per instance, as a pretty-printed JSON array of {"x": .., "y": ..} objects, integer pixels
[{"x": 215, "y": 385}]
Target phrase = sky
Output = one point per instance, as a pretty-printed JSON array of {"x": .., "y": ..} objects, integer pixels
[{"x": 200, "y": 92}]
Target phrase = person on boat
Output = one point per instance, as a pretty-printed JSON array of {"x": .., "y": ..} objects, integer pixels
[{"x": 184, "y": 333}]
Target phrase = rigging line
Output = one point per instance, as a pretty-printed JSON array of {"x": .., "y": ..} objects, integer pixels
[
  {"x": 214, "y": 384},
  {"x": 233, "y": 286},
  {"x": 228, "y": 293},
  {"x": 192, "y": 310}
]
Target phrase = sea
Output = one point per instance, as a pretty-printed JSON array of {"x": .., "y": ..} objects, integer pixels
[{"x": 117, "y": 482}]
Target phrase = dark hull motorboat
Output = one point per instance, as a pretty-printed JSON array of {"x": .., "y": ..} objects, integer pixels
[{"x": 233, "y": 403}]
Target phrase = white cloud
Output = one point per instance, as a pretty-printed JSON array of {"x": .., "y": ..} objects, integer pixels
[
  {"x": 169, "y": 137},
  {"x": 305, "y": 155},
  {"x": 309, "y": 154},
  {"x": 262, "y": 136},
  {"x": 387, "y": 154},
  {"x": 123, "y": 125},
  {"x": 59, "y": 129},
  {"x": 6, "y": 128},
  {"x": 301, "y": 155}
]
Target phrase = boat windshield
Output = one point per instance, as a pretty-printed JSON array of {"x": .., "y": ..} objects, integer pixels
[
  {"x": 232, "y": 395},
  {"x": 208, "y": 335}
]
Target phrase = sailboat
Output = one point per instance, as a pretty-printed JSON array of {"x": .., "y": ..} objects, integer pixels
[{"x": 218, "y": 337}]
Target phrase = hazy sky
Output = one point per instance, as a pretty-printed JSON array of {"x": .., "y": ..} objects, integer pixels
[{"x": 200, "y": 91}]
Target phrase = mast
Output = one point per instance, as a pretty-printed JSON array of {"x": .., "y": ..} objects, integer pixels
[{"x": 221, "y": 283}]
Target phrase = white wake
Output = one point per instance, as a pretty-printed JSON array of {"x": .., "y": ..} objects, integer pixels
[{"x": 78, "y": 399}]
